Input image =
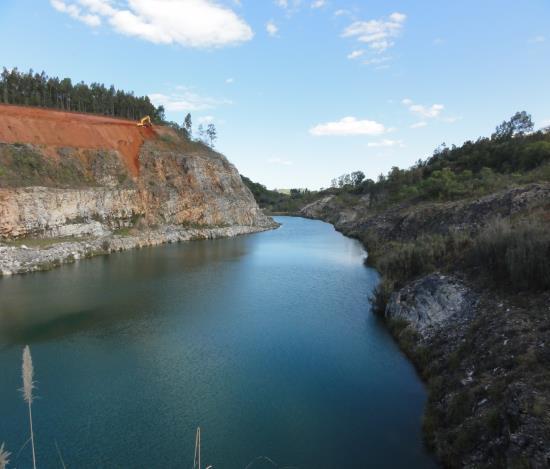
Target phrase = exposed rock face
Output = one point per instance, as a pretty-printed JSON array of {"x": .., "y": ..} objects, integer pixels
[
  {"x": 318, "y": 208},
  {"x": 51, "y": 212},
  {"x": 486, "y": 359},
  {"x": 331, "y": 209},
  {"x": 407, "y": 222},
  {"x": 120, "y": 176},
  {"x": 200, "y": 188},
  {"x": 432, "y": 303}
]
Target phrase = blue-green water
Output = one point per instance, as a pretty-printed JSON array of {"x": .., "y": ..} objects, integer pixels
[{"x": 265, "y": 341}]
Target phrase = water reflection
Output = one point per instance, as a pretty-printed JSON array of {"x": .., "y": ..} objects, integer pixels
[
  {"x": 90, "y": 293},
  {"x": 265, "y": 341}
]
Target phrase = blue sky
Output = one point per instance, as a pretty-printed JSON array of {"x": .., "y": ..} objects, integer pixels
[{"x": 302, "y": 91}]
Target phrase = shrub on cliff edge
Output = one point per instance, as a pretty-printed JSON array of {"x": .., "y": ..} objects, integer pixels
[{"x": 518, "y": 254}]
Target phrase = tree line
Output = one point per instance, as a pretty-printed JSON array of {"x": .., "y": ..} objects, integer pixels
[
  {"x": 350, "y": 180},
  {"x": 274, "y": 202},
  {"x": 38, "y": 89},
  {"x": 514, "y": 153}
]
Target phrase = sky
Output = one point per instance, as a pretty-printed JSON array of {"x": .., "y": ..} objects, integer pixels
[{"x": 302, "y": 91}]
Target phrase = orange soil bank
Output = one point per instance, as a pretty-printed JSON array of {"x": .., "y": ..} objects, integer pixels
[{"x": 54, "y": 129}]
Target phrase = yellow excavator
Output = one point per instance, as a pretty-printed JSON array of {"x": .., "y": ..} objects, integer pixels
[{"x": 145, "y": 122}]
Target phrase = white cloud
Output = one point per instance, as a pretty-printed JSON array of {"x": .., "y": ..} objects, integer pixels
[
  {"x": 76, "y": 13},
  {"x": 378, "y": 34},
  {"x": 451, "y": 119},
  {"x": 419, "y": 125},
  {"x": 288, "y": 4},
  {"x": 318, "y": 3},
  {"x": 537, "y": 39},
  {"x": 229, "y": 81},
  {"x": 427, "y": 112},
  {"x": 280, "y": 161},
  {"x": 100, "y": 7},
  {"x": 271, "y": 28},
  {"x": 341, "y": 12},
  {"x": 355, "y": 54},
  {"x": 398, "y": 17},
  {"x": 377, "y": 61},
  {"x": 205, "y": 120},
  {"x": 183, "y": 99},
  {"x": 386, "y": 143},
  {"x": 190, "y": 23},
  {"x": 348, "y": 126}
]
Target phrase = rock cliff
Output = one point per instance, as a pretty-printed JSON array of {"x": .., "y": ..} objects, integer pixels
[
  {"x": 67, "y": 175},
  {"x": 408, "y": 221},
  {"x": 64, "y": 174}
]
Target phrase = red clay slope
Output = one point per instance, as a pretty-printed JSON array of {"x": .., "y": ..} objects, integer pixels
[{"x": 53, "y": 129}]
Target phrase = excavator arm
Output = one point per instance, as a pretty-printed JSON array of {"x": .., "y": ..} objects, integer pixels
[{"x": 145, "y": 122}]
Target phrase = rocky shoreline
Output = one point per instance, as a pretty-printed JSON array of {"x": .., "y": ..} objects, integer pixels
[
  {"x": 79, "y": 186},
  {"x": 23, "y": 259},
  {"x": 483, "y": 352}
]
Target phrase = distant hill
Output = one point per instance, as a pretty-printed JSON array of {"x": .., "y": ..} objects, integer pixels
[{"x": 280, "y": 200}]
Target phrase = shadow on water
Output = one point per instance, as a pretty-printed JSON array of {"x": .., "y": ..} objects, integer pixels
[{"x": 90, "y": 294}]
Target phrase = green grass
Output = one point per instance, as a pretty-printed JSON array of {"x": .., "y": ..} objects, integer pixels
[
  {"x": 24, "y": 165},
  {"x": 515, "y": 254}
]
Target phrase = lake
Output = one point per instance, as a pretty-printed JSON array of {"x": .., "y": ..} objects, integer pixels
[{"x": 265, "y": 341}]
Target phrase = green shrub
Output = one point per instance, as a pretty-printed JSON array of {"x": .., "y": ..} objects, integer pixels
[
  {"x": 444, "y": 184},
  {"x": 381, "y": 296},
  {"x": 534, "y": 154},
  {"x": 460, "y": 407},
  {"x": 516, "y": 254},
  {"x": 404, "y": 261}
]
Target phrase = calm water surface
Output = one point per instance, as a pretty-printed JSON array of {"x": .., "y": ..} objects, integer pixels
[{"x": 265, "y": 341}]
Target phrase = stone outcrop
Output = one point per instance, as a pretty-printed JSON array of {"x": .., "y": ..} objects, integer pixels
[
  {"x": 485, "y": 357},
  {"x": 52, "y": 212},
  {"x": 333, "y": 210},
  {"x": 432, "y": 303},
  {"x": 405, "y": 222}
]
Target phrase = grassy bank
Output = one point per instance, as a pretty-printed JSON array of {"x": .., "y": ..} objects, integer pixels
[{"x": 512, "y": 255}]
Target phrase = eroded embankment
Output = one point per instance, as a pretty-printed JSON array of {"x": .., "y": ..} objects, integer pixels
[{"x": 51, "y": 129}]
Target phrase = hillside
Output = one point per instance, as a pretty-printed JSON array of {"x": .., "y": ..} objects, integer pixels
[
  {"x": 77, "y": 175},
  {"x": 274, "y": 202},
  {"x": 462, "y": 241}
]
